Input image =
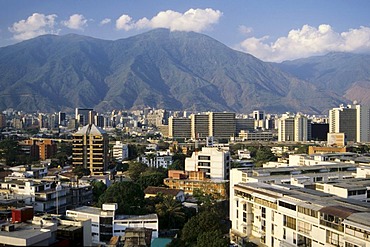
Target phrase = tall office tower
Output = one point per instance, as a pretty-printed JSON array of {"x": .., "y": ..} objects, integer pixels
[
  {"x": 222, "y": 125},
  {"x": 300, "y": 128},
  {"x": 199, "y": 126},
  {"x": 91, "y": 119},
  {"x": 259, "y": 115},
  {"x": 244, "y": 124},
  {"x": 99, "y": 121},
  {"x": 259, "y": 119},
  {"x": 286, "y": 128},
  {"x": 2, "y": 120},
  {"x": 61, "y": 118},
  {"x": 179, "y": 127},
  {"x": 363, "y": 123},
  {"x": 344, "y": 120},
  {"x": 90, "y": 149},
  {"x": 213, "y": 161},
  {"x": 43, "y": 121},
  {"x": 82, "y": 115}
]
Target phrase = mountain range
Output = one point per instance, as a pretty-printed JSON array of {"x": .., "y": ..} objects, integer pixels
[{"x": 174, "y": 71}]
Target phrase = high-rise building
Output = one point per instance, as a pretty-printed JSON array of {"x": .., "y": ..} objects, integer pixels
[
  {"x": 293, "y": 128},
  {"x": 244, "y": 124},
  {"x": 344, "y": 120},
  {"x": 363, "y": 123},
  {"x": 286, "y": 128},
  {"x": 2, "y": 120},
  {"x": 61, "y": 118},
  {"x": 222, "y": 125},
  {"x": 179, "y": 127},
  {"x": 199, "y": 126},
  {"x": 82, "y": 116},
  {"x": 90, "y": 149},
  {"x": 120, "y": 151}
]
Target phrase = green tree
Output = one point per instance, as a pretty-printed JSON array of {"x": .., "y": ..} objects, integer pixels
[
  {"x": 151, "y": 178},
  {"x": 170, "y": 212},
  {"x": 80, "y": 171},
  {"x": 128, "y": 196},
  {"x": 98, "y": 189},
  {"x": 135, "y": 169},
  {"x": 213, "y": 238},
  {"x": 303, "y": 149},
  {"x": 9, "y": 150}
]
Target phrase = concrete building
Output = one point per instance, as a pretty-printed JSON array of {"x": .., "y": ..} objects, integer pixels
[
  {"x": 363, "y": 123},
  {"x": 293, "y": 128},
  {"x": 120, "y": 151},
  {"x": 199, "y": 126},
  {"x": 191, "y": 181},
  {"x": 214, "y": 161},
  {"x": 344, "y": 120},
  {"x": 222, "y": 125},
  {"x": 179, "y": 128},
  {"x": 82, "y": 116},
  {"x": 2, "y": 120},
  {"x": 105, "y": 223},
  {"x": 285, "y": 215},
  {"x": 90, "y": 149}
]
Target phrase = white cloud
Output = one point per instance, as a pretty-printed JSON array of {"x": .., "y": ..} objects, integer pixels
[
  {"x": 308, "y": 41},
  {"x": 76, "y": 21},
  {"x": 105, "y": 21},
  {"x": 192, "y": 20},
  {"x": 35, "y": 25},
  {"x": 245, "y": 30}
]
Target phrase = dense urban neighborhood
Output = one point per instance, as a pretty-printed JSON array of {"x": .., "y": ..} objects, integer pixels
[{"x": 155, "y": 177}]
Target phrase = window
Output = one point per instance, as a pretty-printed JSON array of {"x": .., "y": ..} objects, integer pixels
[
  {"x": 263, "y": 213},
  {"x": 245, "y": 207},
  {"x": 284, "y": 233},
  {"x": 244, "y": 217},
  {"x": 289, "y": 222},
  {"x": 294, "y": 238},
  {"x": 287, "y": 205}
]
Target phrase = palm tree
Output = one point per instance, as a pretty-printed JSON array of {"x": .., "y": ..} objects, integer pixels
[{"x": 170, "y": 210}]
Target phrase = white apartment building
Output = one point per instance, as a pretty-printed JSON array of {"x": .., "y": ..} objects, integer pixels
[
  {"x": 105, "y": 223},
  {"x": 214, "y": 161},
  {"x": 285, "y": 215},
  {"x": 120, "y": 151}
]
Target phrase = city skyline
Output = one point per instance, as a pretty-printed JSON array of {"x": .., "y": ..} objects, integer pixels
[{"x": 268, "y": 30}]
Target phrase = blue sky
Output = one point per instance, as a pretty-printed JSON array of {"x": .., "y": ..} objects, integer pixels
[{"x": 272, "y": 30}]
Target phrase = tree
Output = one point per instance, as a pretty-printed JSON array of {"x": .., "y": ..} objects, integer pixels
[
  {"x": 303, "y": 149},
  {"x": 151, "y": 178},
  {"x": 170, "y": 212},
  {"x": 135, "y": 169},
  {"x": 213, "y": 238},
  {"x": 9, "y": 150},
  {"x": 80, "y": 171},
  {"x": 128, "y": 196},
  {"x": 98, "y": 188}
]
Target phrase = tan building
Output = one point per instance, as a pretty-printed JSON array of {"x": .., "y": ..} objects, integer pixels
[
  {"x": 322, "y": 150},
  {"x": 190, "y": 181},
  {"x": 199, "y": 126},
  {"x": 90, "y": 149}
]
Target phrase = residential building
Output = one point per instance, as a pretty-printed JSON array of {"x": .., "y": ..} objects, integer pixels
[
  {"x": 105, "y": 223},
  {"x": 214, "y": 161},
  {"x": 285, "y": 215},
  {"x": 90, "y": 149},
  {"x": 120, "y": 151},
  {"x": 177, "y": 194},
  {"x": 191, "y": 181}
]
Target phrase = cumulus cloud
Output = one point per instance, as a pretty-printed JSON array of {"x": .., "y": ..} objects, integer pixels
[
  {"x": 308, "y": 41},
  {"x": 192, "y": 20},
  {"x": 35, "y": 25},
  {"x": 105, "y": 21},
  {"x": 76, "y": 21}
]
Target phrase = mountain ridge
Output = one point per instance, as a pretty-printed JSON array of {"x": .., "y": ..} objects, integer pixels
[{"x": 159, "y": 68}]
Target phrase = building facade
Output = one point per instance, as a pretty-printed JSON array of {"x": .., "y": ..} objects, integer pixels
[{"x": 90, "y": 149}]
